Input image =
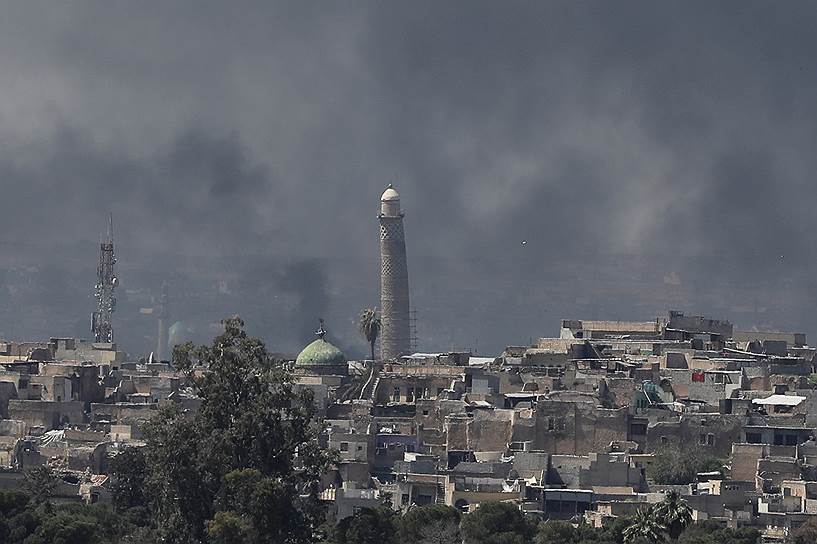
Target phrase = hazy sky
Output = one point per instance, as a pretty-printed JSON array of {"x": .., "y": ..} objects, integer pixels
[{"x": 676, "y": 136}]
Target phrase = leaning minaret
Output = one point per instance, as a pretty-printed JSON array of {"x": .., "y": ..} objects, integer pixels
[{"x": 395, "y": 337}]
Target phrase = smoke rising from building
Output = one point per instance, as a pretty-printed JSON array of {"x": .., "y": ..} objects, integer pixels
[{"x": 625, "y": 143}]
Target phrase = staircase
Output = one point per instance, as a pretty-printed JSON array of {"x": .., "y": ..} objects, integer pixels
[
  {"x": 373, "y": 392},
  {"x": 370, "y": 387},
  {"x": 440, "y": 493}
]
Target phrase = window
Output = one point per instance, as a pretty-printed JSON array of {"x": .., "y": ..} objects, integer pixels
[
  {"x": 706, "y": 439},
  {"x": 344, "y": 446},
  {"x": 395, "y": 395},
  {"x": 360, "y": 448},
  {"x": 664, "y": 440},
  {"x": 425, "y": 412},
  {"x": 753, "y": 438},
  {"x": 556, "y": 423}
]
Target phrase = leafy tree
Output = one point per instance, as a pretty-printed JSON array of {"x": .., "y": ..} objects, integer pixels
[
  {"x": 128, "y": 479},
  {"x": 65, "y": 528},
  {"x": 441, "y": 531},
  {"x": 710, "y": 532},
  {"x": 711, "y": 464},
  {"x": 434, "y": 524},
  {"x": 247, "y": 462},
  {"x": 39, "y": 483},
  {"x": 227, "y": 527},
  {"x": 24, "y": 521},
  {"x": 15, "y": 516},
  {"x": 497, "y": 523},
  {"x": 562, "y": 532},
  {"x": 644, "y": 526},
  {"x": 614, "y": 532},
  {"x": 368, "y": 526},
  {"x": 369, "y": 325},
  {"x": 555, "y": 532},
  {"x": 673, "y": 513},
  {"x": 674, "y": 466},
  {"x": 806, "y": 533}
]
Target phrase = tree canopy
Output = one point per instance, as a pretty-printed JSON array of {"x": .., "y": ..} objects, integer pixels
[
  {"x": 675, "y": 466},
  {"x": 497, "y": 523},
  {"x": 243, "y": 467},
  {"x": 433, "y": 524}
]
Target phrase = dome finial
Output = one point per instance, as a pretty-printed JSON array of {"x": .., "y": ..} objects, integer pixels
[{"x": 321, "y": 332}]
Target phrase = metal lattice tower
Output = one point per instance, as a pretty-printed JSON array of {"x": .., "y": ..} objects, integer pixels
[
  {"x": 106, "y": 281},
  {"x": 395, "y": 334}
]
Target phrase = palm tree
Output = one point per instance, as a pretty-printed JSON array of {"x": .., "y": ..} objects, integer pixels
[
  {"x": 644, "y": 527},
  {"x": 369, "y": 325},
  {"x": 674, "y": 513}
]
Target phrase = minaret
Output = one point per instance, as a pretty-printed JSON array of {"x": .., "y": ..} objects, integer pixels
[
  {"x": 395, "y": 336},
  {"x": 103, "y": 290},
  {"x": 164, "y": 315}
]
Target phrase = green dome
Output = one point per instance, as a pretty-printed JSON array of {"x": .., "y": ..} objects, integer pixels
[{"x": 320, "y": 353}]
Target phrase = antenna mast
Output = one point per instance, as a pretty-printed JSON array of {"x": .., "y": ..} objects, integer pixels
[{"x": 106, "y": 282}]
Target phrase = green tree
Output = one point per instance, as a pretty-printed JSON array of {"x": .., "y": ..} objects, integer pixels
[
  {"x": 369, "y": 325},
  {"x": 673, "y": 513},
  {"x": 441, "y": 531},
  {"x": 562, "y": 532},
  {"x": 555, "y": 532},
  {"x": 16, "y": 519},
  {"x": 247, "y": 462},
  {"x": 675, "y": 466},
  {"x": 368, "y": 526},
  {"x": 435, "y": 524},
  {"x": 806, "y": 533},
  {"x": 23, "y": 521},
  {"x": 128, "y": 479},
  {"x": 40, "y": 483},
  {"x": 710, "y": 532},
  {"x": 644, "y": 526},
  {"x": 65, "y": 528},
  {"x": 497, "y": 523}
]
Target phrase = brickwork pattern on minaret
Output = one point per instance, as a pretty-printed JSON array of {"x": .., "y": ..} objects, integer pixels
[{"x": 395, "y": 335}]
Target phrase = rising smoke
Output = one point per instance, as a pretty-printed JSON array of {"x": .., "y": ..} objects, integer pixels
[{"x": 626, "y": 143}]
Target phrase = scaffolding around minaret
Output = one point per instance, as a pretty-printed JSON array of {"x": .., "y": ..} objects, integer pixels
[
  {"x": 101, "y": 325},
  {"x": 395, "y": 334}
]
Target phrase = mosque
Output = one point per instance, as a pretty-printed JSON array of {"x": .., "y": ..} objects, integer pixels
[
  {"x": 323, "y": 367},
  {"x": 321, "y": 358}
]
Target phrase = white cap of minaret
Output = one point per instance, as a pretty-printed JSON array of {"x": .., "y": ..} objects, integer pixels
[{"x": 390, "y": 202}]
